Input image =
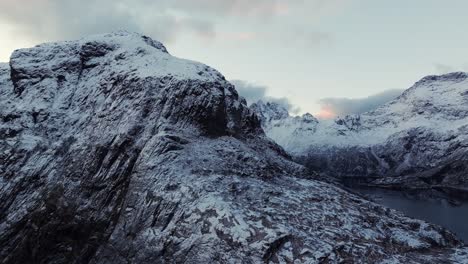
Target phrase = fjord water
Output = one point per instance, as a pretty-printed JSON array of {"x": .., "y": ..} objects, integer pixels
[{"x": 429, "y": 206}]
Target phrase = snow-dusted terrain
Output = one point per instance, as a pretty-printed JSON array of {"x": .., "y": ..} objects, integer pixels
[
  {"x": 421, "y": 134},
  {"x": 114, "y": 151}
]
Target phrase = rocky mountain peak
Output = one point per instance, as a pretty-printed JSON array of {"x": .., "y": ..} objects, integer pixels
[
  {"x": 268, "y": 111},
  {"x": 435, "y": 85},
  {"x": 453, "y": 77},
  {"x": 273, "y": 111},
  {"x": 128, "y": 75},
  {"x": 309, "y": 118}
]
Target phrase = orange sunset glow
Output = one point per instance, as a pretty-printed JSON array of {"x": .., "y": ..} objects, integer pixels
[{"x": 325, "y": 113}]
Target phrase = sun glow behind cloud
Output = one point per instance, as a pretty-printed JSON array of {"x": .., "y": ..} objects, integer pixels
[{"x": 325, "y": 113}]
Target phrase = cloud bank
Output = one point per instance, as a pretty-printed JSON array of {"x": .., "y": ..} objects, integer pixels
[
  {"x": 332, "y": 107},
  {"x": 48, "y": 20},
  {"x": 253, "y": 93},
  {"x": 65, "y": 19}
]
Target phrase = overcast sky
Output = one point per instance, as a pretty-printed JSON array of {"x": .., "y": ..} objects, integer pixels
[{"x": 312, "y": 53}]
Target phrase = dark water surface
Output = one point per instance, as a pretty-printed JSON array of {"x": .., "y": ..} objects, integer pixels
[{"x": 429, "y": 206}]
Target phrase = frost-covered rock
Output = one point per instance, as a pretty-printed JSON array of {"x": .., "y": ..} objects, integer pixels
[
  {"x": 422, "y": 135},
  {"x": 114, "y": 151},
  {"x": 269, "y": 111}
]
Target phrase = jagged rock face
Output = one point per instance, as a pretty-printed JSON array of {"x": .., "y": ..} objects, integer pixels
[
  {"x": 422, "y": 135},
  {"x": 269, "y": 111},
  {"x": 113, "y": 151}
]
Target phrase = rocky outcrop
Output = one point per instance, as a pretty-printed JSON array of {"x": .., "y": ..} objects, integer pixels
[
  {"x": 114, "y": 151},
  {"x": 418, "y": 140}
]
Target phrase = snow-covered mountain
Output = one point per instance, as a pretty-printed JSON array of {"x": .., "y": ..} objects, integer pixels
[
  {"x": 114, "y": 151},
  {"x": 419, "y": 139}
]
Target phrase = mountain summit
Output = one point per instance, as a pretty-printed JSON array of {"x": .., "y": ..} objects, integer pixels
[{"x": 114, "y": 151}]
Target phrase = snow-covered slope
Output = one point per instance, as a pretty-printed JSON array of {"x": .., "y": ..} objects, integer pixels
[
  {"x": 114, "y": 151},
  {"x": 423, "y": 130}
]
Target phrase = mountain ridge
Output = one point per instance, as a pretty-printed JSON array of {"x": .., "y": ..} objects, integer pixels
[{"x": 422, "y": 130}]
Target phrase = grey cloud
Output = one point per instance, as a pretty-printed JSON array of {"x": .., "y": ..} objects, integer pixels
[
  {"x": 262, "y": 8},
  {"x": 46, "y": 20},
  {"x": 63, "y": 19},
  {"x": 345, "y": 106},
  {"x": 203, "y": 28},
  {"x": 253, "y": 93}
]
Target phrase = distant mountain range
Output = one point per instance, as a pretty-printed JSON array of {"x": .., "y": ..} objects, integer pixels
[{"x": 418, "y": 140}]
